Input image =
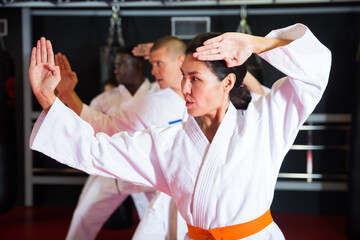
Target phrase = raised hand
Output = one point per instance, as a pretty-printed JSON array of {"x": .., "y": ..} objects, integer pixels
[
  {"x": 68, "y": 77},
  {"x": 236, "y": 48},
  {"x": 43, "y": 74},
  {"x": 142, "y": 50},
  {"x": 233, "y": 48}
]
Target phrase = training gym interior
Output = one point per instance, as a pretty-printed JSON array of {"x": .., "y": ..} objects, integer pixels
[{"x": 317, "y": 193}]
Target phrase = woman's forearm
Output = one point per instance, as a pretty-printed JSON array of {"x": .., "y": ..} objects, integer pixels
[{"x": 263, "y": 44}]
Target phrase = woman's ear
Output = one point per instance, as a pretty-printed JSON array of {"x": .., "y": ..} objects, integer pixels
[{"x": 229, "y": 82}]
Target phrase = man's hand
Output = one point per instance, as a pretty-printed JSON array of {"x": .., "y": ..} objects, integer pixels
[
  {"x": 68, "y": 77},
  {"x": 43, "y": 74},
  {"x": 142, "y": 50}
]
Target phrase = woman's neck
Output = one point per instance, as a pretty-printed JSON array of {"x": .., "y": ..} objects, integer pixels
[{"x": 209, "y": 123}]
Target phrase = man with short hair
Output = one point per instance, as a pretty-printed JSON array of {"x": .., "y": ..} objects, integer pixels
[{"x": 157, "y": 108}]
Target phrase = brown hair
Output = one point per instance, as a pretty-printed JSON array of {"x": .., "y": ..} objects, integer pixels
[
  {"x": 174, "y": 46},
  {"x": 239, "y": 95}
]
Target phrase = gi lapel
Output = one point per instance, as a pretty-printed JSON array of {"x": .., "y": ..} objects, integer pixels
[{"x": 214, "y": 154}]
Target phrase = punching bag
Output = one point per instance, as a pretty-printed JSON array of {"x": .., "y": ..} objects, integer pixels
[{"x": 8, "y": 157}]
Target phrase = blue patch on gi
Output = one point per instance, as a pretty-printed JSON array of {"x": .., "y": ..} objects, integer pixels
[{"x": 176, "y": 121}]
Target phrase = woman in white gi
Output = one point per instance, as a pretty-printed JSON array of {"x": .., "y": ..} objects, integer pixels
[{"x": 212, "y": 167}]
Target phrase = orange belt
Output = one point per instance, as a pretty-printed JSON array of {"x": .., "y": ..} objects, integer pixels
[{"x": 232, "y": 232}]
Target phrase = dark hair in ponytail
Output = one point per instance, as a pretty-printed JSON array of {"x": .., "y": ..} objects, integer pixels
[{"x": 239, "y": 95}]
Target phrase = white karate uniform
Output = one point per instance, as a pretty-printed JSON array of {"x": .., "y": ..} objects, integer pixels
[
  {"x": 256, "y": 96},
  {"x": 227, "y": 182},
  {"x": 157, "y": 222},
  {"x": 160, "y": 220},
  {"x": 102, "y": 195}
]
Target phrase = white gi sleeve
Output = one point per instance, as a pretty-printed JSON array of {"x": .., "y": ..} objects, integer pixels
[
  {"x": 64, "y": 136},
  {"x": 133, "y": 115},
  {"x": 306, "y": 62},
  {"x": 123, "y": 119},
  {"x": 110, "y": 123}
]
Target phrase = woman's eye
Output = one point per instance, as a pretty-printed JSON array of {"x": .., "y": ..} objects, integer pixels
[{"x": 194, "y": 79}]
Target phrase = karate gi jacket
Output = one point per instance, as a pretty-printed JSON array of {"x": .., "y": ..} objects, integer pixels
[
  {"x": 113, "y": 111},
  {"x": 227, "y": 182},
  {"x": 117, "y": 110},
  {"x": 106, "y": 110},
  {"x": 111, "y": 101}
]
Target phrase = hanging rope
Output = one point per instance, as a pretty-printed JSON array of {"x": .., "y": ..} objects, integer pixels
[
  {"x": 254, "y": 64},
  {"x": 115, "y": 24},
  {"x": 243, "y": 26}
]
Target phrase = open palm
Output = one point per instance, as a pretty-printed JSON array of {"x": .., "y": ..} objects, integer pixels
[
  {"x": 233, "y": 48},
  {"x": 43, "y": 74},
  {"x": 68, "y": 77}
]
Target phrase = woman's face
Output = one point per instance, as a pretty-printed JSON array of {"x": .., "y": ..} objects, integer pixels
[{"x": 202, "y": 90}]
